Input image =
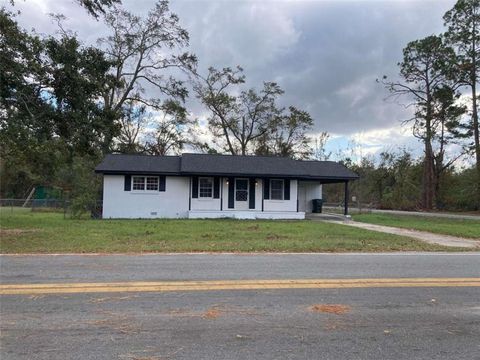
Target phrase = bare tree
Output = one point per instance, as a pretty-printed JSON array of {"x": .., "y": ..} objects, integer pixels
[
  {"x": 289, "y": 136},
  {"x": 133, "y": 121},
  {"x": 144, "y": 53},
  {"x": 238, "y": 120},
  {"x": 319, "y": 147},
  {"x": 172, "y": 131}
]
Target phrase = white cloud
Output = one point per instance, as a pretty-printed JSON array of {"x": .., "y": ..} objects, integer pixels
[{"x": 325, "y": 54}]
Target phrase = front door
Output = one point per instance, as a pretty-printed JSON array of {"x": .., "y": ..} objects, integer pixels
[{"x": 241, "y": 194}]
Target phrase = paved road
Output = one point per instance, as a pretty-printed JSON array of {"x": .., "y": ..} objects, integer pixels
[{"x": 365, "y": 323}]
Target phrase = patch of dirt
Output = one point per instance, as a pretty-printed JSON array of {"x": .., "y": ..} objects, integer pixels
[
  {"x": 337, "y": 309},
  {"x": 275, "y": 237},
  {"x": 7, "y": 232},
  {"x": 212, "y": 313}
]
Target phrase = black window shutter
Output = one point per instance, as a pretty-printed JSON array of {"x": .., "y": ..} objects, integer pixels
[
  {"x": 216, "y": 187},
  {"x": 266, "y": 189},
  {"x": 128, "y": 183},
  {"x": 251, "y": 195},
  {"x": 195, "y": 187},
  {"x": 231, "y": 193},
  {"x": 161, "y": 184},
  {"x": 286, "y": 189}
]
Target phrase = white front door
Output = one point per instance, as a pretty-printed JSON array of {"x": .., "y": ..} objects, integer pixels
[{"x": 241, "y": 194}]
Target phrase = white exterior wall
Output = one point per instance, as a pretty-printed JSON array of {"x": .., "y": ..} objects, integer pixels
[
  {"x": 171, "y": 203},
  {"x": 205, "y": 204},
  {"x": 174, "y": 202},
  {"x": 283, "y": 205},
  {"x": 309, "y": 190}
]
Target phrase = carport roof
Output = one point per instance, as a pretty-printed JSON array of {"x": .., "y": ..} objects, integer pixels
[{"x": 225, "y": 165}]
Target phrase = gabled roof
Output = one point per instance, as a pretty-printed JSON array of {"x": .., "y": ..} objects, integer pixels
[{"x": 225, "y": 165}]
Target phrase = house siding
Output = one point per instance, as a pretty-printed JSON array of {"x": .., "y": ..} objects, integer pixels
[
  {"x": 171, "y": 203},
  {"x": 174, "y": 202},
  {"x": 283, "y": 205},
  {"x": 307, "y": 191}
]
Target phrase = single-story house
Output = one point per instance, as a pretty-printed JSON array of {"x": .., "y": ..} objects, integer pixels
[{"x": 215, "y": 186}]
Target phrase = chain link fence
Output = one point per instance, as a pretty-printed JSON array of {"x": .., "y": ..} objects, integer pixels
[{"x": 52, "y": 205}]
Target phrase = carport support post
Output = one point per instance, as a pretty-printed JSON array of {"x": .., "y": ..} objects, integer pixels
[{"x": 346, "y": 199}]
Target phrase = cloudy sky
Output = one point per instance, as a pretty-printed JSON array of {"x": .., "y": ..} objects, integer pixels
[{"x": 326, "y": 54}]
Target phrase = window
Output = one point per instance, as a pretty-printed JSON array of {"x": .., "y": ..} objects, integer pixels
[
  {"x": 276, "y": 189},
  {"x": 205, "y": 187},
  {"x": 138, "y": 183},
  {"x": 152, "y": 183},
  {"x": 142, "y": 183}
]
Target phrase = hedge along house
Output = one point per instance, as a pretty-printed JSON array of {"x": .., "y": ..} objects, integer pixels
[{"x": 215, "y": 186}]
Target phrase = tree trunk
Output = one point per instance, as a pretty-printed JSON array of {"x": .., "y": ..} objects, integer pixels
[
  {"x": 428, "y": 165},
  {"x": 473, "y": 79},
  {"x": 438, "y": 182},
  {"x": 428, "y": 177},
  {"x": 476, "y": 138}
]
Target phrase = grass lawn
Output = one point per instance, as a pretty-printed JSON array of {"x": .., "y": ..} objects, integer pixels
[
  {"x": 454, "y": 227},
  {"x": 42, "y": 232}
]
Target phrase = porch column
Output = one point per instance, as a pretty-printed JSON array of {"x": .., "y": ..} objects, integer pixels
[{"x": 346, "y": 198}]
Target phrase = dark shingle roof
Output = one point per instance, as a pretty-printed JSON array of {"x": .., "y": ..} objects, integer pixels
[
  {"x": 120, "y": 163},
  {"x": 225, "y": 165}
]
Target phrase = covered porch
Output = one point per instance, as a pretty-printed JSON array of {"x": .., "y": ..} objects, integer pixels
[
  {"x": 309, "y": 190},
  {"x": 243, "y": 197},
  {"x": 255, "y": 198}
]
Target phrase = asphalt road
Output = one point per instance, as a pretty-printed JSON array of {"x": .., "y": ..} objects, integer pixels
[{"x": 342, "y": 323}]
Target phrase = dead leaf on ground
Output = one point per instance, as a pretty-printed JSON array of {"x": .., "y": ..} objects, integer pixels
[
  {"x": 111, "y": 298},
  {"x": 212, "y": 313},
  {"x": 120, "y": 323},
  {"x": 135, "y": 357},
  {"x": 337, "y": 309}
]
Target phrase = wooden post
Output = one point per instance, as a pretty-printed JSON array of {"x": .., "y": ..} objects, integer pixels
[{"x": 346, "y": 198}]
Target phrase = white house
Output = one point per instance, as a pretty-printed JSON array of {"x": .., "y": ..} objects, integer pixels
[{"x": 214, "y": 186}]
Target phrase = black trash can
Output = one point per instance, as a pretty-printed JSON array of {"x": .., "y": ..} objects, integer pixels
[{"x": 317, "y": 205}]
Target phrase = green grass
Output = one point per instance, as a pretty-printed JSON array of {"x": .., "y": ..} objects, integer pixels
[
  {"x": 454, "y": 227},
  {"x": 41, "y": 232}
]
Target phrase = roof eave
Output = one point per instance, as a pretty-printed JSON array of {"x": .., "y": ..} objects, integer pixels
[{"x": 286, "y": 176}]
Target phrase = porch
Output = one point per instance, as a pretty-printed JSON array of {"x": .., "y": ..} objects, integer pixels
[{"x": 246, "y": 214}]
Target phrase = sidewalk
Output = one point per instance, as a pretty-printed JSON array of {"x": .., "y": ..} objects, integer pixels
[
  {"x": 439, "y": 239},
  {"x": 354, "y": 210}
]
